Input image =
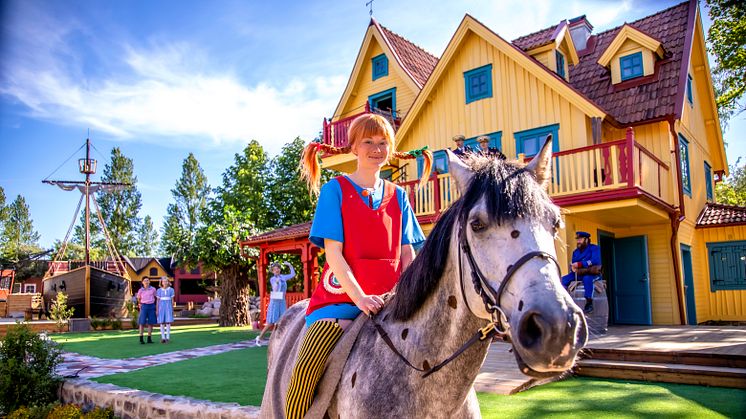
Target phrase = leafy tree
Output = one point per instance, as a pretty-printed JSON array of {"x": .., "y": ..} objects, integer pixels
[
  {"x": 732, "y": 190},
  {"x": 60, "y": 312},
  {"x": 727, "y": 42},
  {"x": 236, "y": 211},
  {"x": 19, "y": 239},
  {"x": 119, "y": 209},
  {"x": 147, "y": 238},
  {"x": 2, "y": 207},
  {"x": 190, "y": 197}
]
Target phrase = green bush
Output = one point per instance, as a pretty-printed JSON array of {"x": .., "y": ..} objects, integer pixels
[
  {"x": 95, "y": 323},
  {"x": 134, "y": 312},
  {"x": 65, "y": 411},
  {"x": 27, "y": 364},
  {"x": 116, "y": 324},
  {"x": 59, "y": 312},
  {"x": 99, "y": 413}
]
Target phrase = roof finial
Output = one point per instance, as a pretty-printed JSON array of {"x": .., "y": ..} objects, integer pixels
[{"x": 370, "y": 4}]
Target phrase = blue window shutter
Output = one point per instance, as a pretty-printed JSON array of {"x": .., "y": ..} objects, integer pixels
[
  {"x": 631, "y": 66},
  {"x": 380, "y": 66},
  {"x": 478, "y": 83},
  {"x": 708, "y": 181},
  {"x": 686, "y": 181},
  {"x": 727, "y": 265},
  {"x": 373, "y": 100},
  {"x": 689, "y": 94},
  {"x": 560, "y": 63}
]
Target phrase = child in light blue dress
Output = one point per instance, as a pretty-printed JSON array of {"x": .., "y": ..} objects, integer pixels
[
  {"x": 165, "y": 309},
  {"x": 277, "y": 305}
]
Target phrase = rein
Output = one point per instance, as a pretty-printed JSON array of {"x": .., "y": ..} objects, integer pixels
[{"x": 490, "y": 299}]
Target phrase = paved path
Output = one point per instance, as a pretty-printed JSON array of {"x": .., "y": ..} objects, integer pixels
[{"x": 84, "y": 366}]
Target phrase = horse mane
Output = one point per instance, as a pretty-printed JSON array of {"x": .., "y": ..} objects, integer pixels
[{"x": 510, "y": 192}]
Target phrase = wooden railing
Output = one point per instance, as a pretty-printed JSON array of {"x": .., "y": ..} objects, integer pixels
[
  {"x": 290, "y": 299},
  {"x": 616, "y": 165},
  {"x": 335, "y": 132}
]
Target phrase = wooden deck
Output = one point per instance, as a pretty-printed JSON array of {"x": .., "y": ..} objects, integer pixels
[{"x": 706, "y": 355}]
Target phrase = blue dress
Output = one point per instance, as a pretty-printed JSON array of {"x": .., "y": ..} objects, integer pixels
[
  {"x": 277, "y": 306},
  {"x": 165, "y": 298}
]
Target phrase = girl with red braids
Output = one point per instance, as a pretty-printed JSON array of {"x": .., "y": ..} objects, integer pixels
[{"x": 369, "y": 232}]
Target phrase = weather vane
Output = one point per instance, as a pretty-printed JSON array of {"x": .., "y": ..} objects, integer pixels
[{"x": 370, "y": 4}]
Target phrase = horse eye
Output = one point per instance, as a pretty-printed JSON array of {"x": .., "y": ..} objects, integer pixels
[{"x": 477, "y": 226}]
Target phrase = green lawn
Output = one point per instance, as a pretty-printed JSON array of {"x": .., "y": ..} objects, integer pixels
[
  {"x": 239, "y": 376},
  {"x": 236, "y": 376},
  {"x": 117, "y": 344}
]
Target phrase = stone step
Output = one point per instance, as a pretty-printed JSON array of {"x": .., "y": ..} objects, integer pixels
[{"x": 663, "y": 372}]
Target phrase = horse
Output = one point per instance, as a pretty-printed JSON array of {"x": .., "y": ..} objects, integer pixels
[{"x": 489, "y": 267}]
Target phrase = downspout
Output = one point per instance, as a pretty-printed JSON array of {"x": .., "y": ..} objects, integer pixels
[{"x": 677, "y": 217}]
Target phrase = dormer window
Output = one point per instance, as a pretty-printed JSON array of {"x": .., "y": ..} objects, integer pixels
[
  {"x": 560, "y": 63},
  {"x": 478, "y": 83},
  {"x": 631, "y": 66},
  {"x": 380, "y": 66}
]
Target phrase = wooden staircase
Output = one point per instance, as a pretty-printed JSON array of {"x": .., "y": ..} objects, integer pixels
[{"x": 710, "y": 369}]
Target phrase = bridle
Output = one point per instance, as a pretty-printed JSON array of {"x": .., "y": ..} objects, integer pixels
[{"x": 499, "y": 323}]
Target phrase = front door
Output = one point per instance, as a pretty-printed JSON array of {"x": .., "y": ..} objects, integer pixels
[
  {"x": 686, "y": 264},
  {"x": 631, "y": 286},
  {"x": 606, "y": 242}
]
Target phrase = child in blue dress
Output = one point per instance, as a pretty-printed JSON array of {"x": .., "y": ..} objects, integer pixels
[
  {"x": 277, "y": 304},
  {"x": 165, "y": 309}
]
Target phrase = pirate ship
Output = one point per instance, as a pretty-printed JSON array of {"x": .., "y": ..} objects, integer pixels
[{"x": 97, "y": 289}]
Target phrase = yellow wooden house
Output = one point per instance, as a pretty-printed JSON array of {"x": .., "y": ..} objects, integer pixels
[{"x": 637, "y": 153}]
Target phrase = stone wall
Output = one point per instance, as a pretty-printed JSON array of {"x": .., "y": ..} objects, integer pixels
[{"x": 136, "y": 404}]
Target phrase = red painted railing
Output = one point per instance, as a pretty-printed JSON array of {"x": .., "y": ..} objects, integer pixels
[
  {"x": 335, "y": 132},
  {"x": 290, "y": 299}
]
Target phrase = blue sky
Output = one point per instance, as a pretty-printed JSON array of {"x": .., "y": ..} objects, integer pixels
[{"x": 162, "y": 79}]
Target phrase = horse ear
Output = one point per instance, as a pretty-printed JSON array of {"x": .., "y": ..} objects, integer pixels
[
  {"x": 461, "y": 173},
  {"x": 541, "y": 164}
]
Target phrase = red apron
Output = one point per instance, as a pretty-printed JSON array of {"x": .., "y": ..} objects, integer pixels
[{"x": 372, "y": 247}]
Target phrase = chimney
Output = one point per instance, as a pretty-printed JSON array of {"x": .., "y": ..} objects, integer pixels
[{"x": 580, "y": 31}]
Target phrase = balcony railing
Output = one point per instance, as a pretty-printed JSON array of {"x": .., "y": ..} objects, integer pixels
[
  {"x": 335, "y": 132},
  {"x": 586, "y": 172}
]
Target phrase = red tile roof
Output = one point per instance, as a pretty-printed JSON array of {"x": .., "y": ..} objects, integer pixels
[
  {"x": 290, "y": 232},
  {"x": 415, "y": 60},
  {"x": 720, "y": 215},
  {"x": 539, "y": 38}
]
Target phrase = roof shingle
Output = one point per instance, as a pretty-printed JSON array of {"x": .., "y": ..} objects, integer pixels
[
  {"x": 417, "y": 61},
  {"x": 720, "y": 215},
  {"x": 290, "y": 232},
  {"x": 536, "y": 39}
]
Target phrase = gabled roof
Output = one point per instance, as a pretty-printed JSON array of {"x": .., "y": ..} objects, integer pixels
[
  {"x": 720, "y": 215},
  {"x": 290, "y": 232},
  {"x": 139, "y": 263},
  {"x": 418, "y": 62},
  {"x": 630, "y": 32},
  {"x": 657, "y": 97},
  {"x": 539, "y": 38}
]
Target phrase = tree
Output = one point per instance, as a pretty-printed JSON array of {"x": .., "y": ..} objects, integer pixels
[
  {"x": 2, "y": 207},
  {"x": 727, "y": 42},
  {"x": 183, "y": 216},
  {"x": 147, "y": 244},
  {"x": 119, "y": 209},
  {"x": 19, "y": 238},
  {"x": 732, "y": 190},
  {"x": 236, "y": 211}
]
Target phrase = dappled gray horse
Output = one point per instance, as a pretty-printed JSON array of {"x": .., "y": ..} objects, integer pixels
[{"x": 489, "y": 262}]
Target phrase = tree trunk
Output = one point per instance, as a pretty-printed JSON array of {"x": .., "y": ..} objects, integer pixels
[{"x": 234, "y": 297}]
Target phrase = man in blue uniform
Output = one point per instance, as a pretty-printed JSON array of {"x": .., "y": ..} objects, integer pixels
[
  {"x": 586, "y": 267},
  {"x": 461, "y": 149}
]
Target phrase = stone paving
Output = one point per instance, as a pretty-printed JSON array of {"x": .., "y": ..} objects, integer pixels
[{"x": 83, "y": 366}]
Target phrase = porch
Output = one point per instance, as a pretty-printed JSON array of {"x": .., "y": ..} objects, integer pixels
[{"x": 335, "y": 132}]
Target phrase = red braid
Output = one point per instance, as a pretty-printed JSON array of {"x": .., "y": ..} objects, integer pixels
[
  {"x": 310, "y": 170},
  {"x": 427, "y": 157}
]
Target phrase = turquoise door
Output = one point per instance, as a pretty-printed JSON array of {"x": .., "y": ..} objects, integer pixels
[
  {"x": 686, "y": 264},
  {"x": 631, "y": 286}
]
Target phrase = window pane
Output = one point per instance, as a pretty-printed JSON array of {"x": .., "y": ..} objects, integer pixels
[{"x": 530, "y": 146}]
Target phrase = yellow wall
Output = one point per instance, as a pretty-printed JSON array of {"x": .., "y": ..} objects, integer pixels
[
  {"x": 365, "y": 86},
  {"x": 145, "y": 272},
  {"x": 722, "y": 304},
  {"x": 630, "y": 47},
  {"x": 519, "y": 101}
]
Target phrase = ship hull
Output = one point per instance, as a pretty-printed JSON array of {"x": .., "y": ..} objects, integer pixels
[{"x": 90, "y": 291}]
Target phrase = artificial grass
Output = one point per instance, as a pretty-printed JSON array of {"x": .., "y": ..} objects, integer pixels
[
  {"x": 120, "y": 344},
  {"x": 578, "y": 398},
  {"x": 240, "y": 376},
  {"x": 237, "y": 376}
]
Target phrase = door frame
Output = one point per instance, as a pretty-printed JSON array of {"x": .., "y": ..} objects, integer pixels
[
  {"x": 689, "y": 296},
  {"x": 608, "y": 271}
]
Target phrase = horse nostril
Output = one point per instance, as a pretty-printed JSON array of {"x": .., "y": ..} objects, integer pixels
[{"x": 530, "y": 330}]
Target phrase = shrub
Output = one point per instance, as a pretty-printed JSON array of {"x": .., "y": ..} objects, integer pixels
[
  {"x": 65, "y": 411},
  {"x": 99, "y": 413},
  {"x": 27, "y": 364},
  {"x": 59, "y": 312},
  {"x": 132, "y": 311},
  {"x": 116, "y": 324},
  {"x": 95, "y": 323},
  {"x": 105, "y": 323}
]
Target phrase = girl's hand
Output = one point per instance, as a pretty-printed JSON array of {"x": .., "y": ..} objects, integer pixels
[{"x": 370, "y": 304}]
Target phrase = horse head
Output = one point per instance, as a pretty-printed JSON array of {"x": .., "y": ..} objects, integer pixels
[{"x": 506, "y": 229}]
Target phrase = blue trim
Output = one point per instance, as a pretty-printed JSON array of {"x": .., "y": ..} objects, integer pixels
[
  {"x": 534, "y": 138},
  {"x": 478, "y": 83},
  {"x": 440, "y": 163},
  {"x": 708, "y": 181},
  {"x": 686, "y": 174},
  {"x": 726, "y": 266},
  {"x": 560, "y": 63},
  {"x": 686, "y": 267},
  {"x": 496, "y": 141},
  {"x": 689, "y": 93},
  {"x": 630, "y": 66},
  {"x": 380, "y": 66},
  {"x": 375, "y": 98}
]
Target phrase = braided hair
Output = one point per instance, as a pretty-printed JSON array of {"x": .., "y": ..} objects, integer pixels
[{"x": 364, "y": 126}]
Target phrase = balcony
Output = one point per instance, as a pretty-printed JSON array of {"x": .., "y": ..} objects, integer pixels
[
  {"x": 335, "y": 132},
  {"x": 603, "y": 172}
]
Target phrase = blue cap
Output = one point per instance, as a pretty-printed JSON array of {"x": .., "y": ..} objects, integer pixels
[{"x": 579, "y": 234}]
